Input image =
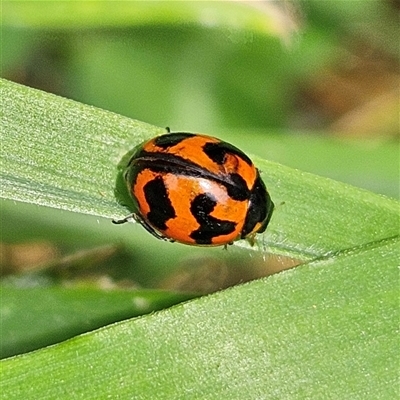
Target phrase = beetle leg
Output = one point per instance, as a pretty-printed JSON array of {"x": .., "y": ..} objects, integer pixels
[{"x": 123, "y": 220}]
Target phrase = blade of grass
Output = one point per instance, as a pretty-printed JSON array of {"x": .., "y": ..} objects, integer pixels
[
  {"x": 327, "y": 328},
  {"x": 59, "y": 153}
]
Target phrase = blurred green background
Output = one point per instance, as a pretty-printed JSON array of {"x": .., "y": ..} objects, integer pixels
[
  {"x": 234, "y": 70},
  {"x": 313, "y": 85}
]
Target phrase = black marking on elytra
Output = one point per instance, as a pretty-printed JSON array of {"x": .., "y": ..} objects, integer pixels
[
  {"x": 171, "y": 139},
  {"x": 238, "y": 191},
  {"x": 217, "y": 152},
  {"x": 210, "y": 227},
  {"x": 260, "y": 208},
  {"x": 161, "y": 209},
  {"x": 235, "y": 185}
]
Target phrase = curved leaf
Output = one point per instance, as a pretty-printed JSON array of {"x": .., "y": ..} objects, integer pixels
[
  {"x": 60, "y": 153},
  {"x": 327, "y": 328}
]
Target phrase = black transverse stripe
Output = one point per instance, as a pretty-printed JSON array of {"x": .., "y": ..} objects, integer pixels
[{"x": 168, "y": 163}]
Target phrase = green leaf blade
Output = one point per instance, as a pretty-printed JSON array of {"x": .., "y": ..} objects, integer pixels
[
  {"x": 324, "y": 328},
  {"x": 322, "y": 216},
  {"x": 59, "y": 153},
  {"x": 63, "y": 154}
]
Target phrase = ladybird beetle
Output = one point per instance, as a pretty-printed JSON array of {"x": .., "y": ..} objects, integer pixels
[{"x": 197, "y": 190}]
